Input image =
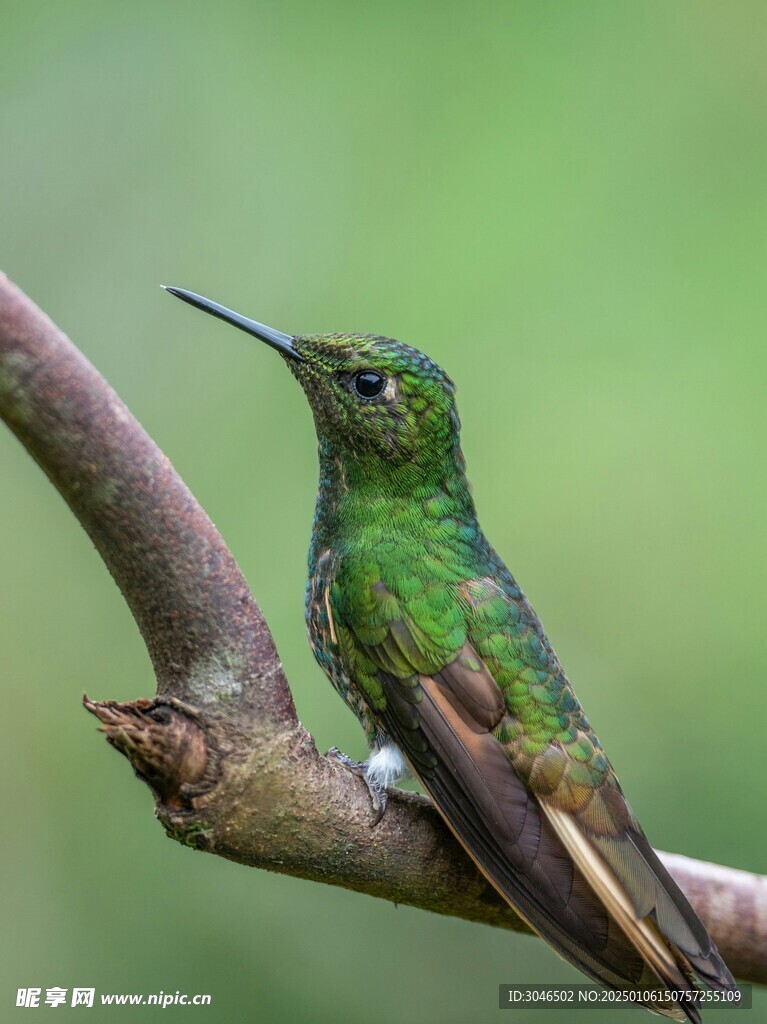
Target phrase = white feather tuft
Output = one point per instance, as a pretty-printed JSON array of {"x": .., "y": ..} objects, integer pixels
[{"x": 386, "y": 766}]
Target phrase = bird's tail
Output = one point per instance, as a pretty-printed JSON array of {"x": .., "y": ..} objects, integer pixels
[{"x": 589, "y": 883}]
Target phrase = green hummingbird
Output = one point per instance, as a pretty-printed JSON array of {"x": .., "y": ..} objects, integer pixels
[{"x": 425, "y": 634}]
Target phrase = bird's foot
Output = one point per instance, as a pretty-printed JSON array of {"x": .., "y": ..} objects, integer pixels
[{"x": 377, "y": 791}]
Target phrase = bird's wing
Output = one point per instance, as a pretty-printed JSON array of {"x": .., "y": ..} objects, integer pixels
[{"x": 527, "y": 790}]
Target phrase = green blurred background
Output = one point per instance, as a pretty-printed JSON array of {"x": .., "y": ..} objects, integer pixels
[{"x": 564, "y": 204}]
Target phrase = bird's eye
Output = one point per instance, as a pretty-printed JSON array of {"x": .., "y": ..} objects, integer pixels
[{"x": 369, "y": 384}]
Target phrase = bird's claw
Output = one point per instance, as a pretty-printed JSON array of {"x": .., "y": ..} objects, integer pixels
[
  {"x": 356, "y": 767},
  {"x": 378, "y": 800},
  {"x": 378, "y": 796}
]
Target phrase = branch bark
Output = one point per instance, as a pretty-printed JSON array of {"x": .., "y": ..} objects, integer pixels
[{"x": 232, "y": 769}]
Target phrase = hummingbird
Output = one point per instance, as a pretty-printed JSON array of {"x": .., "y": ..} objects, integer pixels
[{"x": 427, "y": 637}]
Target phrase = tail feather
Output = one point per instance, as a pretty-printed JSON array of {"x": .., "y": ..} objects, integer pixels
[
  {"x": 618, "y": 848},
  {"x": 515, "y": 844},
  {"x": 579, "y": 871}
]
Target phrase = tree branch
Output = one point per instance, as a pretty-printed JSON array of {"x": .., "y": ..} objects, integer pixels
[{"x": 232, "y": 769}]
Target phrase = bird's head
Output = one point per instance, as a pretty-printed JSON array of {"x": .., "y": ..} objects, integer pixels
[{"x": 375, "y": 401}]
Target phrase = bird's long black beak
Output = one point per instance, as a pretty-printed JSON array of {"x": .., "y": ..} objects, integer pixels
[{"x": 282, "y": 342}]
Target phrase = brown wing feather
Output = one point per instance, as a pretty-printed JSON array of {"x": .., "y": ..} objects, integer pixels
[
  {"x": 444, "y": 726},
  {"x": 608, "y": 843}
]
